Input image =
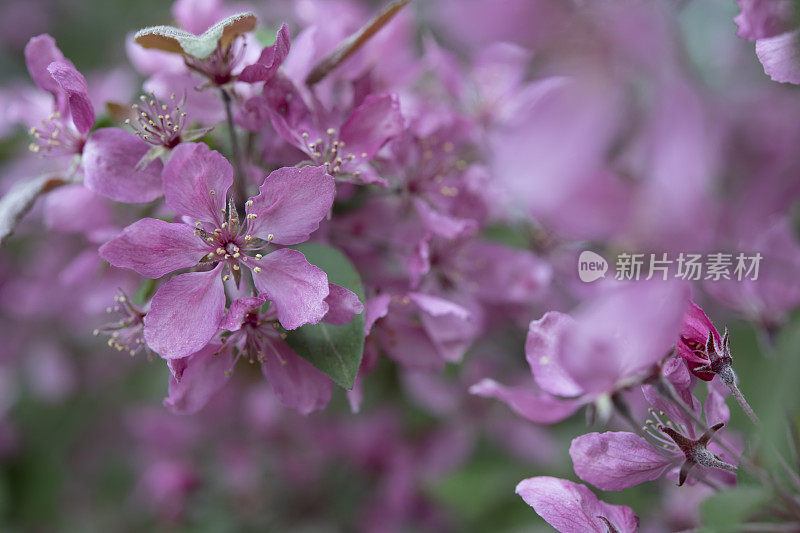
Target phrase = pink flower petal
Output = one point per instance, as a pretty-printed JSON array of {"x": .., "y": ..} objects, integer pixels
[
  {"x": 542, "y": 350},
  {"x": 185, "y": 313},
  {"x": 536, "y": 407},
  {"x": 290, "y": 204},
  {"x": 296, "y": 288},
  {"x": 39, "y": 53},
  {"x": 74, "y": 86},
  {"x": 109, "y": 167},
  {"x": 371, "y": 125},
  {"x": 616, "y": 460},
  {"x": 780, "y": 56},
  {"x": 196, "y": 180},
  {"x": 573, "y": 508},
  {"x": 343, "y": 305},
  {"x": 153, "y": 247},
  {"x": 203, "y": 375},
  {"x": 295, "y": 381},
  {"x": 272, "y": 57}
]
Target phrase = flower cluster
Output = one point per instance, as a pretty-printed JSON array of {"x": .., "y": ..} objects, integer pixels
[{"x": 373, "y": 204}]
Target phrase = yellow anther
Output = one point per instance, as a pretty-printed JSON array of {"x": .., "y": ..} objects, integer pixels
[{"x": 257, "y": 270}]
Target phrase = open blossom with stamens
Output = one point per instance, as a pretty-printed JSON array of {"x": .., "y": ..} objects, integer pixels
[
  {"x": 186, "y": 311},
  {"x": 64, "y": 131},
  {"x": 671, "y": 442},
  {"x": 254, "y": 335},
  {"x": 344, "y": 149},
  {"x": 126, "y": 334},
  {"x": 158, "y": 123},
  {"x": 108, "y": 156}
]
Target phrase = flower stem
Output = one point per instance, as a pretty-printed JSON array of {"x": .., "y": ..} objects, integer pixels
[
  {"x": 743, "y": 404},
  {"x": 238, "y": 182}
]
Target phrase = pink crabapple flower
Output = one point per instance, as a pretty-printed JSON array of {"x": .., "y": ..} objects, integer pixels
[
  {"x": 573, "y": 508},
  {"x": 345, "y": 147},
  {"x": 610, "y": 343},
  {"x": 186, "y": 311},
  {"x": 109, "y": 156},
  {"x": 254, "y": 335},
  {"x": 617, "y": 460},
  {"x": 64, "y": 131}
]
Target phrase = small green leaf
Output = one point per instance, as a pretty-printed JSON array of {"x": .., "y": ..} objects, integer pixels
[
  {"x": 334, "y": 350},
  {"x": 730, "y": 508},
  {"x": 178, "y": 41}
]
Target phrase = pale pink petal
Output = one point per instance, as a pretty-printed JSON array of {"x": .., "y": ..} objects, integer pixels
[
  {"x": 196, "y": 180},
  {"x": 203, "y": 375},
  {"x": 535, "y": 406},
  {"x": 371, "y": 125},
  {"x": 238, "y": 310},
  {"x": 74, "y": 86},
  {"x": 76, "y": 208},
  {"x": 109, "y": 167},
  {"x": 290, "y": 204},
  {"x": 272, "y": 57},
  {"x": 542, "y": 350},
  {"x": 295, "y": 381},
  {"x": 616, "y": 460},
  {"x": 780, "y": 56},
  {"x": 153, "y": 247},
  {"x": 39, "y": 53},
  {"x": 296, "y": 288},
  {"x": 573, "y": 508},
  {"x": 185, "y": 313},
  {"x": 343, "y": 305}
]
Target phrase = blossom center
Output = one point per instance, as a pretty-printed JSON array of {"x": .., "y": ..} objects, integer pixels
[{"x": 158, "y": 123}]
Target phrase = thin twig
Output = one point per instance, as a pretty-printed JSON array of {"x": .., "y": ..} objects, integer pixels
[{"x": 238, "y": 181}]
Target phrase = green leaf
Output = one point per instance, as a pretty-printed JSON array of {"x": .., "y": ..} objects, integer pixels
[
  {"x": 725, "y": 510},
  {"x": 334, "y": 350}
]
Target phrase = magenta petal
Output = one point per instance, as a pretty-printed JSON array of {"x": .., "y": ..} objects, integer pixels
[
  {"x": 765, "y": 18},
  {"x": 185, "y": 313},
  {"x": 542, "y": 352},
  {"x": 441, "y": 224},
  {"x": 573, "y": 508},
  {"x": 76, "y": 208},
  {"x": 536, "y": 407},
  {"x": 371, "y": 125},
  {"x": 290, "y": 204},
  {"x": 296, "y": 382},
  {"x": 109, "y": 167},
  {"x": 39, "y": 53},
  {"x": 74, "y": 86},
  {"x": 780, "y": 56},
  {"x": 343, "y": 305},
  {"x": 196, "y": 180},
  {"x": 153, "y": 247},
  {"x": 238, "y": 310},
  {"x": 616, "y": 460},
  {"x": 203, "y": 375},
  {"x": 435, "y": 306},
  {"x": 296, "y": 288},
  {"x": 376, "y": 308},
  {"x": 271, "y": 58}
]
